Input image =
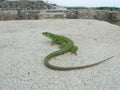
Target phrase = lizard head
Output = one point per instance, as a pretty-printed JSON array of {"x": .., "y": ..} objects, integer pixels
[{"x": 49, "y": 35}]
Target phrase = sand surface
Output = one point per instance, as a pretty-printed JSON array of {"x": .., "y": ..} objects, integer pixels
[{"x": 23, "y": 49}]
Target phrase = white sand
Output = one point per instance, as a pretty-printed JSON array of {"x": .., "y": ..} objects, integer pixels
[{"x": 23, "y": 49}]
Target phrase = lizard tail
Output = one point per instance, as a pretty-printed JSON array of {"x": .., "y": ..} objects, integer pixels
[{"x": 70, "y": 68}]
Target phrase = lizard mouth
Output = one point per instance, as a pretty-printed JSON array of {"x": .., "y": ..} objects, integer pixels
[{"x": 44, "y": 33}]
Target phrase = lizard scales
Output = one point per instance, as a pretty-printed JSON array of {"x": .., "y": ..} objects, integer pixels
[{"x": 67, "y": 45}]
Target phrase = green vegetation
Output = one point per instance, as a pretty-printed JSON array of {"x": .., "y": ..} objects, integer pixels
[
  {"x": 108, "y": 8},
  {"x": 76, "y": 8}
]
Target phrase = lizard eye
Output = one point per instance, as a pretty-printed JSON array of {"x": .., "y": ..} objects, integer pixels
[{"x": 45, "y": 32}]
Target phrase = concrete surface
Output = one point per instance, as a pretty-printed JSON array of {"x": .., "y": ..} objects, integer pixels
[{"x": 23, "y": 49}]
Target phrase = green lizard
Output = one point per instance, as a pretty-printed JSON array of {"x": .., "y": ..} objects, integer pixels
[{"x": 66, "y": 46}]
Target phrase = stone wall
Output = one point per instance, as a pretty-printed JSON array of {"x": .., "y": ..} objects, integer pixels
[
  {"x": 24, "y": 5},
  {"x": 115, "y": 15},
  {"x": 8, "y": 15},
  {"x": 28, "y": 10},
  {"x": 31, "y": 10},
  {"x": 51, "y": 15},
  {"x": 104, "y": 15},
  {"x": 27, "y": 14},
  {"x": 94, "y": 14}
]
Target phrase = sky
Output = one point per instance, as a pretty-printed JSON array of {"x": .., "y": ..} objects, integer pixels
[{"x": 86, "y": 3}]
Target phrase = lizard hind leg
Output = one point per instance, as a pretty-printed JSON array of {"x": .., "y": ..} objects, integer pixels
[{"x": 74, "y": 49}]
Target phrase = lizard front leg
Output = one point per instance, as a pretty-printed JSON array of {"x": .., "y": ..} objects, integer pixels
[
  {"x": 74, "y": 49},
  {"x": 54, "y": 42}
]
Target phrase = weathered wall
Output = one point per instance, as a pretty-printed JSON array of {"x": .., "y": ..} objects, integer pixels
[
  {"x": 104, "y": 15},
  {"x": 8, "y": 15},
  {"x": 115, "y": 15},
  {"x": 94, "y": 14},
  {"x": 51, "y": 15}
]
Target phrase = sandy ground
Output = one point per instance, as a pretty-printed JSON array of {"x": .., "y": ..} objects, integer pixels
[{"x": 23, "y": 49}]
